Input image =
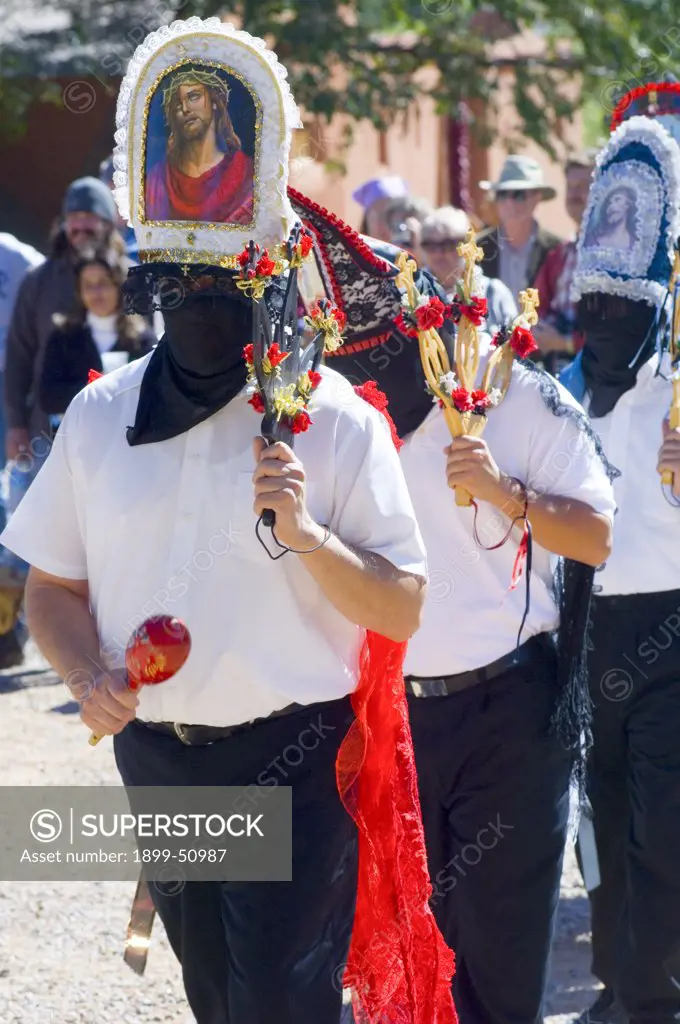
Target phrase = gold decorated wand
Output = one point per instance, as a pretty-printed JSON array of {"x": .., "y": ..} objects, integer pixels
[{"x": 464, "y": 404}]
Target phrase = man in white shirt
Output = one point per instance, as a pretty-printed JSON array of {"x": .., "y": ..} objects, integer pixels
[
  {"x": 493, "y": 772},
  {"x": 623, "y": 376},
  {"x": 497, "y": 720},
  {"x": 148, "y": 503}
]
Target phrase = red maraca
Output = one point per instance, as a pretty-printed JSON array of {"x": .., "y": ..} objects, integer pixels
[{"x": 155, "y": 651}]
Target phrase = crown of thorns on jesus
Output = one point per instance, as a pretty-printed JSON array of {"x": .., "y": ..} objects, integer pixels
[{"x": 193, "y": 76}]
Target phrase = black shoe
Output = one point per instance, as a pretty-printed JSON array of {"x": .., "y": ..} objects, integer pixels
[{"x": 605, "y": 1010}]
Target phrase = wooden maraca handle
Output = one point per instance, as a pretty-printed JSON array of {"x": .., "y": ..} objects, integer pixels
[
  {"x": 463, "y": 497},
  {"x": 157, "y": 649},
  {"x": 94, "y": 738},
  {"x": 667, "y": 477}
]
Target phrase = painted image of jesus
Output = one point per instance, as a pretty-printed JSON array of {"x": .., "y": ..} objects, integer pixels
[
  {"x": 203, "y": 174},
  {"x": 615, "y": 226}
]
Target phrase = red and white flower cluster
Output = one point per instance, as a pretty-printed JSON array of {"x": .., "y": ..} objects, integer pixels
[
  {"x": 519, "y": 338},
  {"x": 428, "y": 314},
  {"x": 477, "y": 401}
]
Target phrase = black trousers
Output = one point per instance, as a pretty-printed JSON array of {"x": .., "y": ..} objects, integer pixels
[
  {"x": 634, "y": 789},
  {"x": 494, "y": 791},
  {"x": 262, "y": 953}
]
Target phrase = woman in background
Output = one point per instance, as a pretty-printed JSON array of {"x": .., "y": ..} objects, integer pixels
[{"x": 98, "y": 336}]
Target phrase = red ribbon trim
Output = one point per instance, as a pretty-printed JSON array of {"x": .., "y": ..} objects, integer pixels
[{"x": 619, "y": 115}]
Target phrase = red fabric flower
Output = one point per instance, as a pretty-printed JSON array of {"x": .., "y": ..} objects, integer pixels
[
  {"x": 301, "y": 422},
  {"x": 248, "y": 353},
  {"x": 462, "y": 399},
  {"x": 275, "y": 355},
  {"x": 498, "y": 339},
  {"x": 431, "y": 315},
  {"x": 318, "y": 312},
  {"x": 522, "y": 342},
  {"x": 476, "y": 311},
  {"x": 256, "y": 402},
  {"x": 93, "y": 375},
  {"x": 314, "y": 377},
  {"x": 306, "y": 243},
  {"x": 480, "y": 399},
  {"x": 371, "y": 393},
  {"x": 339, "y": 317},
  {"x": 265, "y": 266},
  {"x": 244, "y": 257},
  {"x": 405, "y": 327}
]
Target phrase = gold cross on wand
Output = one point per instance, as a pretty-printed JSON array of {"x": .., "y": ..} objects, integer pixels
[
  {"x": 433, "y": 354},
  {"x": 471, "y": 254},
  {"x": 529, "y": 302}
]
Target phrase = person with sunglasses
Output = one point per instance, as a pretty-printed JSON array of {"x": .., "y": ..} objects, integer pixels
[
  {"x": 516, "y": 249},
  {"x": 442, "y": 233}
]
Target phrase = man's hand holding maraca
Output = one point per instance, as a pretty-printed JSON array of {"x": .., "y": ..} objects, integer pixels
[{"x": 110, "y": 705}]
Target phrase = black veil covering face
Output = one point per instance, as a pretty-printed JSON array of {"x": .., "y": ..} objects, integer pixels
[
  {"x": 620, "y": 337},
  {"x": 197, "y": 368}
]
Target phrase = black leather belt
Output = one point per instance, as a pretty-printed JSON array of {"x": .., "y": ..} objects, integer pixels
[
  {"x": 204, "y": 735},
  {"x": 443, "y": 686}
]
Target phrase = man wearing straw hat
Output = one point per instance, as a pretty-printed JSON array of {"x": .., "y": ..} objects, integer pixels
[{"x": 516, "y": 249}]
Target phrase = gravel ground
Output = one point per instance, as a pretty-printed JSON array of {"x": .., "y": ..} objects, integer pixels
[{"x": 61, "y": 943}]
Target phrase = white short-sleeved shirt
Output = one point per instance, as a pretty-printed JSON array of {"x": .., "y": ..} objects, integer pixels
[
  {"x": 646, "y": 554},
  {"x": 169, "y": 528},
  {"x": 471, "y": 617}
]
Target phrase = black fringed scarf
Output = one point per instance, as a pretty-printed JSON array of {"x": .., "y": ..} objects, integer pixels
[{"x": 574, "y": 586}]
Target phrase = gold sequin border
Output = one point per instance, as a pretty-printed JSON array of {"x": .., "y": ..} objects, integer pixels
[{"x": 188, "y": 256}]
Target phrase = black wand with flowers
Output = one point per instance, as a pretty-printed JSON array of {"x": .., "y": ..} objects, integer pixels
[{"x": 282, "y": 371}]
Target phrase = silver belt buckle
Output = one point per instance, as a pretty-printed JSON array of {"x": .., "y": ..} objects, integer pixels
[
  {"x": 179, "y": 732},
  {"x": 429, "y": 688}
]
